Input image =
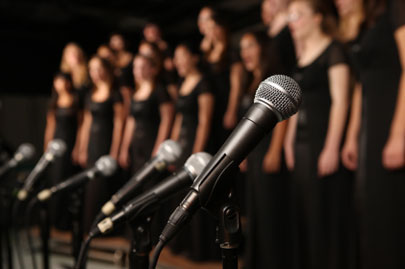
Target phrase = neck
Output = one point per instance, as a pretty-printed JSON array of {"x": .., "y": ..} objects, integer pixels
[
  {"x": 314, "y": 39},
  {"x": 350, "y": 24},
  {"x": 193, "y": 73}
]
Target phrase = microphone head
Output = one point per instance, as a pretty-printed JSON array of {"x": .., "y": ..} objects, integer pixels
[
  {"x": 196, "y": 163},
  {"x": 169, "y": 151},
  {"x": 106, "y": 165},
  {"x": 56, "y": 147},
  {"x": 281, "y": 94},
  {"x": 24, "y": 152}
]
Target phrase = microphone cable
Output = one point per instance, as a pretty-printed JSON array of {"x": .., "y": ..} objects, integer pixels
[{"x": 27, "y": 222}]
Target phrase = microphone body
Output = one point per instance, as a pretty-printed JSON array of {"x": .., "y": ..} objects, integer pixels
[
  {"x": 105, "y": 166},
  {"x": 277, "y": 98},
  {"x": 24, "y": 152},
  {"x": 169, "y": 152},
  {"x": 149, "y": 201},
  {"x": 55, "y": 148}
]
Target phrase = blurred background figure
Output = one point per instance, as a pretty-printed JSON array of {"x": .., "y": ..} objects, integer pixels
[
  {"x": 62, "y": 123},
  {"x": 100, "y": 134},
  {"x": 376, "y": 137},
  {"x": 191, "y": 129},
  {"x": 321, "y": 187}
]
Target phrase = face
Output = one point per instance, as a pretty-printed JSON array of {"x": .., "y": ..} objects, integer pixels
[
  {"x": 203, "y": 18},
  {"x": 142, "y": 69},
  {"x": 151, "y": 33},
  {"x": 106, "y": 53},
  {"x": 267, "y": 12},
  {"x": 61, "y": 85},
  {"x": 97, "y": 71},
  {"x": 250, "y": 52},
  {"x": 73, "y": 55},
  {"x": 346, "y": 7},
  {"x": 184, "y": 60},
  {"x": 117, "y": 43},
  {"x": 302, "y": 19}
]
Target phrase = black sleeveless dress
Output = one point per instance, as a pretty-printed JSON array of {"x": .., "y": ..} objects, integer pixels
[
  {"x": 321, "y": 215},
  {"x": 380, "y": 192},
  {"x": 197, "y": 239},
  {"x": 98, "y": 191},
  {"x": 147, "y": 119},
  {"x": 66, "y": 119}
]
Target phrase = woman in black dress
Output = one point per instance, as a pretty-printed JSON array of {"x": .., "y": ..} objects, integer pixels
[
  {"x": 151, "y": 116},
  {"x": 62, "y": 123},
  {"x": 321, "y": 188},
  {"x": 101, "y": 133},
  {"x": 266, "y": 197},
  {"x": 375, "y": 143},
  {"x": 194, "y": 109}
]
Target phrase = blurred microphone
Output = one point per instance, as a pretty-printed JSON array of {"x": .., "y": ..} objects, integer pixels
[
  {"x": 55, "y": 148},
  {"x": 168, "y": 153},
  {"x": 277, "y": 98},
  {"x": 24, "y": 152},
  {"x": 105, "y": 166},
  {"x": 150, "y": 200}
]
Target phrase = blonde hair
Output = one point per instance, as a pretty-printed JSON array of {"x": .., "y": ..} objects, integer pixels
[{"x": 80, "y": 74}]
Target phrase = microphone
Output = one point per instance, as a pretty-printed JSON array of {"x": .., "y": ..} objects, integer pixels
[
  {"x": 23, "y": 153},
  {"x": 55, "y": 148},
  {"x": 149, "y": 201},
  {"x": 168, "y": 153},
  {"x": 104, "y": 166},
  {"x": 277, "y": 98}
]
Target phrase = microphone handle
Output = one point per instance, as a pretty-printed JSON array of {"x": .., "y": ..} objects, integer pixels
[{"x": 75, "y": 180}]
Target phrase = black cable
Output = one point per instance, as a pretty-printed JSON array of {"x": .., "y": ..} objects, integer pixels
[
  {"x": 28, "y": 213},
  {"x": 156, "y": 253},
  {"x": 16, "y": 235},
  {"x": 81, "y": 260}
]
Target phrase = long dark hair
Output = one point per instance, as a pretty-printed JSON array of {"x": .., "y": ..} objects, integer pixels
[
  {"x": 374, "y": 9},
  {"x": 54, "y": 96},
  {"x": 109, "y": 70}
]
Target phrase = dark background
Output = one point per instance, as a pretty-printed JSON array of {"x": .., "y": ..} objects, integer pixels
[{"x": 34, "y": 32}]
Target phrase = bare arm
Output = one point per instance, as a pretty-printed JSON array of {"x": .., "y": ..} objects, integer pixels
[
  {"x": 205, "y": 110},
  {"x": 272, "y": 159},
  {"x": 230, "y": 117},
  {"x": 50, "y": 128},
  {"x": 393, "y": 156},
  {"x": 350, "y": 148},
  {"x": 126, "y": 141},
  {"x": 117, "y": 131},
  {"x": 176, "y": 127},
  {"x": 166, "y": 120},
  {"x": 328, "y": 161},
  {"x": 289, "y": 141},
  {"x": 84, "y": 138}
]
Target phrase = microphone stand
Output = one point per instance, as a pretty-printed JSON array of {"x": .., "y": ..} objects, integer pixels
[
  {"x": 141, "y": 243},
  {"x": 76, "y": 210},
  {"x": 45, "y": 233}
]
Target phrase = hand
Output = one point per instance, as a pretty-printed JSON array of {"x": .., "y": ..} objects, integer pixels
[
  {"x": 230, "y": 120},
  {"x": 75, "y": 156},
  {"x": 272, "y": 163},
  {"x": 123, "y": 160},
  {"x": 289, "y": 156},
  {"x": 328, "y": 162},
  {"x": 349, "y": 154},
  {"x": 82, "y": 159},
  {"x": 393, "y": 156},
  {"x": 243, "y": 166}
]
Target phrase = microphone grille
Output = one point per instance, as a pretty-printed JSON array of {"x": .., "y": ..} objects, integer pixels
[
  {"x": 197, "y": 162},
  {"x": 169, "y": 151},
  {"x": 106, "y": 165},
  {"x": 281, "y": 94},
  {"x": 57, "y": 147},
  {"x": 25, "y": 151}
]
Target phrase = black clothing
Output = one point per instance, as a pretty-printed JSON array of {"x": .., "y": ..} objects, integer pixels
[
  {"x": 321, "y": 206},
  {"x": 283, "y": 52},
  {"x": 101, "y": 133},
  {"x": 380, "y": 192},
  {"x": 147, "y": 119},
  {"x": 66, "y": 120}
]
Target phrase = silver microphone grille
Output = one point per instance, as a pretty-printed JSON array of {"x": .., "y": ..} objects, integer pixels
[
  {"x": 197, "y": 162},
  {"x": 106, "y": 165},
  {"x": 24, "y": 152},
  {"x": 281, "y": 94},
  {"x": 169, "y": 151},
  {"x": 56, "y": 147}
]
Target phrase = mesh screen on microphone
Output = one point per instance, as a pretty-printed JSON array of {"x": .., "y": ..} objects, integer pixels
[
  {"x": 281, "y": 93},
  {"x": 24, "y": 152},
  {"x": 106, "y": 165},
  {"x": 169, "y": 151},
  {"x": 56, "y": 147},
  {"x": 197, "y": 162}
]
